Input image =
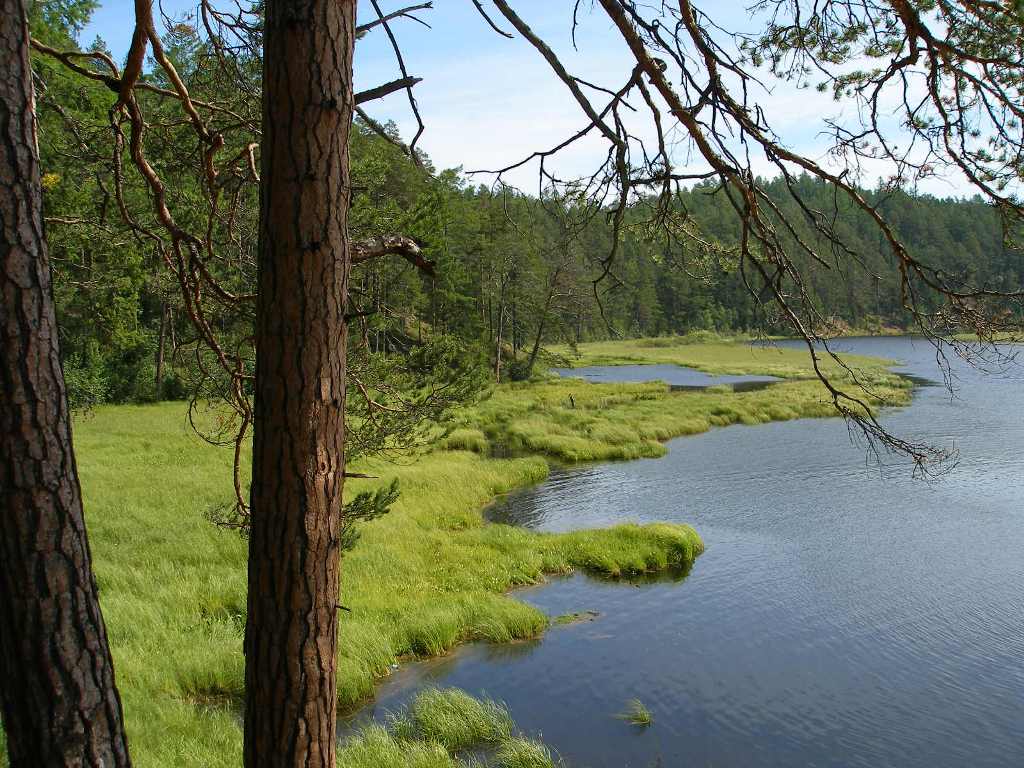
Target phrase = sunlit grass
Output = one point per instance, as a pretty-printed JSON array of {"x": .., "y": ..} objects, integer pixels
[
  {"x": 453, "y": 719},
  {"x": 524, "y": 753},
  {"x": 375, "y": 747},
  {"x": 573, "y": 421},
  {"x": 436, "y": 728},
  {"x": 716, "y": 357},
  {"x": 423, "y": 579}
]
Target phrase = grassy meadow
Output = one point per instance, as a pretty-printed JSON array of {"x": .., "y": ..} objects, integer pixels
[
  {"x": 422, "y": 579},
  {"x": 713, "y": 354}
]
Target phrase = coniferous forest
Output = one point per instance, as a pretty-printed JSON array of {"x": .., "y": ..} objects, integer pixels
[{"x": 512, "y": 272}]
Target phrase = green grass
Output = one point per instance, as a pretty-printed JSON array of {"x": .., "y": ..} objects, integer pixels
[
  {"x": 453, "y": 719},
  {"x": 423, "y": 579},
  {"x": 636, "y": 714},
  {"x": 629, "y": 421},
  {"x": 524, "y": 753},
  {"x": 716, "y": 357},
  {"x": 436, "y": 728},
  {"x": 376, "y": 747}
]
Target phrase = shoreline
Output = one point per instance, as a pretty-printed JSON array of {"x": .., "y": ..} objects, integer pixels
[
  {"x": 716, "y": 418},
  {"x": 426, "y": 578}
]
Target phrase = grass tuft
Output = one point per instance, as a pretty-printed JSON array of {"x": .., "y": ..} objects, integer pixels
[
  {"x": 375, "y": 747},
  {"x": 454, "y": 719},
  {"x": 636, "y": 714},
  {"x": 435, "y": 728},
  {"x": 577, "y": 617},
  {"x": 524, "y": 753}
]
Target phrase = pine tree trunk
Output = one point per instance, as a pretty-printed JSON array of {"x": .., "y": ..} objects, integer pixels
[
  {"x": 59, "y": 703},
  {"x": 298, "y": 456}
]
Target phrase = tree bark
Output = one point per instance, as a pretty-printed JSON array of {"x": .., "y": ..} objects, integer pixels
[
  {"x": 160, "y": 350},
  {"x": 298, "y": 456},
  {"x": 542, "y": 323},
  {"x": 59, "y": 703}
]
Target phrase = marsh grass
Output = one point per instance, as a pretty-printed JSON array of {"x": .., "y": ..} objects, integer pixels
[
  {"x": 375, "y": 747},
  {"x": 721, "y": 356},
  {"x": 577, "y": 617},
  {"x": 444, "y": 728},
  {"x": 636, "y": 714},
  {"x": 524, "y": 753},
  {"x": 571, "y": 420},
  {"x": 454, "y": 719},
  {"x": 423, "y": 579}
]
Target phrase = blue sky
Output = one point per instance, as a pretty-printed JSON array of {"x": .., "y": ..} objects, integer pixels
[{"x": 488, "y": 101}]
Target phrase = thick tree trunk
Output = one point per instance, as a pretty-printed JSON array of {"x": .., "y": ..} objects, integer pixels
[
  {"x": 59, "y": 703},
  {"x": 298, "y": 456}
]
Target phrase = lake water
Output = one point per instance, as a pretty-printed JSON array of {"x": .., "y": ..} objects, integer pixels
[
  {"x": 673, "y": 375},
  {"x": 844, "y": 614}
]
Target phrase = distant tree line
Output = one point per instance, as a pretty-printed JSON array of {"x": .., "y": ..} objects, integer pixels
[{"x": 511, "y": 272}]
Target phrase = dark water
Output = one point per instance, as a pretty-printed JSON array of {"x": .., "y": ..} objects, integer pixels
[
  {"x": 843, "y": 614},
  {"x": 675, "y": 375}
]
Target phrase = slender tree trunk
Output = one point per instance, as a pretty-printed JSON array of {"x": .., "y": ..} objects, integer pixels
[
  {"x": 298, "y": 446},
  {"x": 59, "y": 703},
  {"x": 160, "y": 350},
  {"x": 490, "y": 319},
  {"x": 515, "y": 328},
  {"x": 532, "y": 359},
  {"x": 542, "y": 323},
  {"x": 499, "y": 331}
]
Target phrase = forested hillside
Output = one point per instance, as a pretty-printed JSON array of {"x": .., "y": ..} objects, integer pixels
[{"x": 511, "y": 272}]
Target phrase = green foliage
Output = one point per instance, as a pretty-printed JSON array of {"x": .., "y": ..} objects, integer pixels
[
  {"x": 366, "y": 506},
  {"x": 395, "y": 398},
  {"x": 58, "y": 22},
  {"x": 512, "y": 272}
]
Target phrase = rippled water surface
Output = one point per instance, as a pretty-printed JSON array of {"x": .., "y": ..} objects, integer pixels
[{"x": 843, "y": 614}]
